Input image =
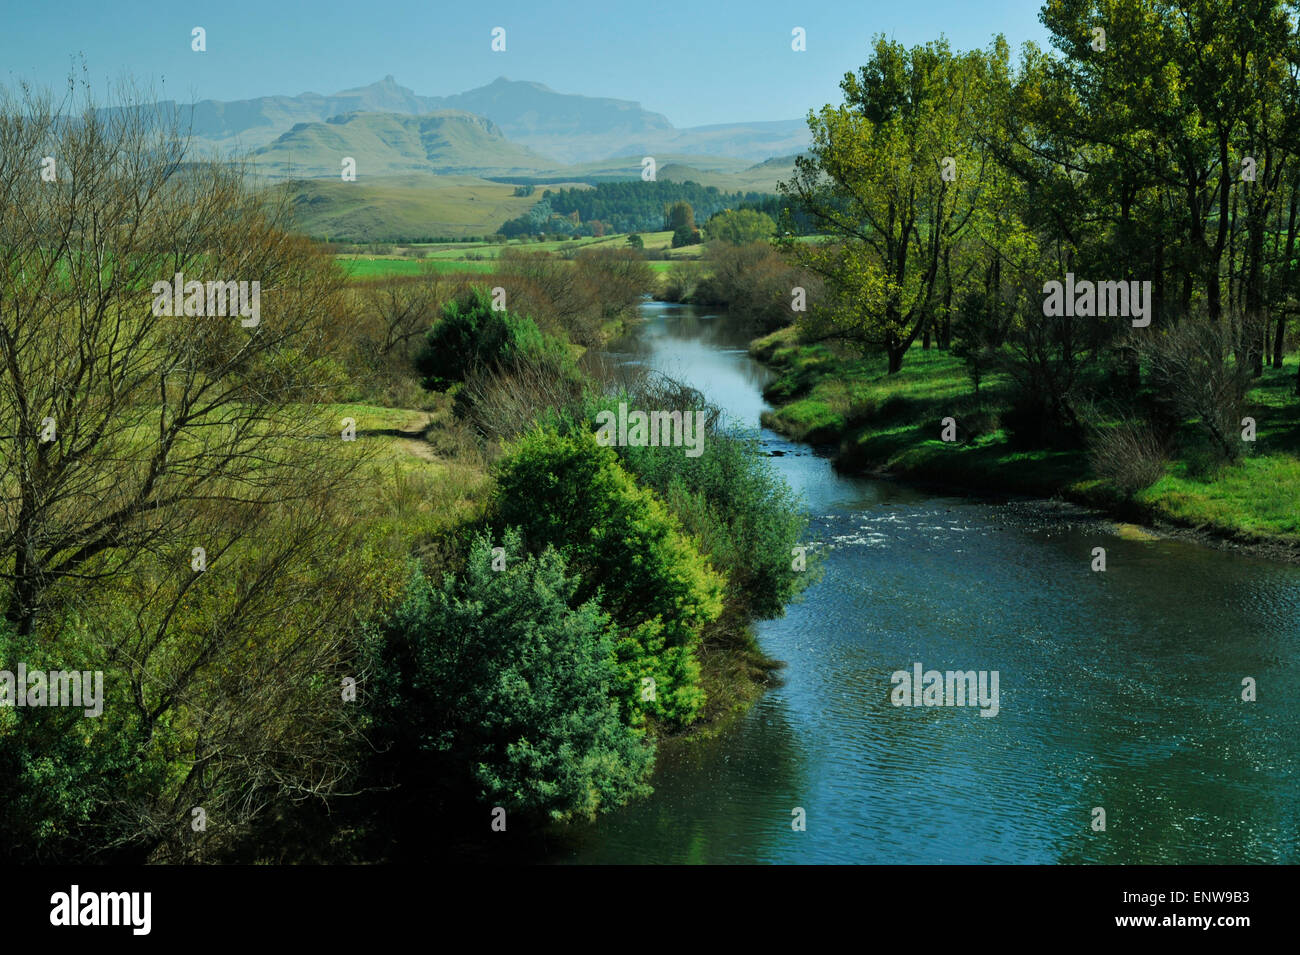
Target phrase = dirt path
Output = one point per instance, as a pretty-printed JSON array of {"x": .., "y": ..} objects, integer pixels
[{"x": 411, "y": 437}]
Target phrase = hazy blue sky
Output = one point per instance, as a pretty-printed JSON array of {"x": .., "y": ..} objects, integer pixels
[{"x": 696, "y": 62}]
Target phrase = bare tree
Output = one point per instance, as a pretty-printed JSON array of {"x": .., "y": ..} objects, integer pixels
[
  {"x": 1193, "y": 368},
  {"x": 401, "y": 309},
  {"x": 171, "y": 494}
]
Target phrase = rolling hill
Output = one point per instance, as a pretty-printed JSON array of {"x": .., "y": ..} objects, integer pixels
[
  {"x": 761, "y": 177},
  {"x": 446, "y": 142},
  {"x": 404, "y": 207},
  {"x": 417, "y": 205}
]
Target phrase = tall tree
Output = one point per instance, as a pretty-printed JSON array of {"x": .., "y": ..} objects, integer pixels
[{"x": 893, "y": 175}]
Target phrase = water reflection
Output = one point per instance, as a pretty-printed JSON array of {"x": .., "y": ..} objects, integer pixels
[{"x": 1118, "y": 690}]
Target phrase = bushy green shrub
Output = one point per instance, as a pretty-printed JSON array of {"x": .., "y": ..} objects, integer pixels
[
  {"x": 746, "y": 518},
  {"x": 471, "y": 334},
  {"x": 505, "y": 680},
  {"x": 740, "y": 226},
  {"x": 631, "y": 554},
  {"x": 68, "y": 776}
]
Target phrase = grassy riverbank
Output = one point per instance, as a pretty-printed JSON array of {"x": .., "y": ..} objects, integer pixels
[{"x": 892, "y": 424}]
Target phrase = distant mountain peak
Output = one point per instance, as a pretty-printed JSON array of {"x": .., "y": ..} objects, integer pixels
[
  {"x": 506, "y": 84},
  {"x": 566, "y": 127}
]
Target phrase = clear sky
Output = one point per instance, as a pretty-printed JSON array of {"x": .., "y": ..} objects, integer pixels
[{"x": 695, "y": 61}]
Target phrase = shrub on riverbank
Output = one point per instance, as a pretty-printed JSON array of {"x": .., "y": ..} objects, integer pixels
[
  {"x": 628, "y": 551},
  {"x": 746, "y": 519},
  {"x": 504, "y": 682},
  {"x": 753, "y": 281},
  {"x": 471, "y": 334}
]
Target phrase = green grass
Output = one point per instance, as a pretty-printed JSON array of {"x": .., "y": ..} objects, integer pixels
[
  {"x": 480, "y": 257},
  {"x": 370, "y": 266},
  {"x": 424, "y": 476},
  {"x": 893, "y": 423},
  {"x": 1257, "y": 497}
]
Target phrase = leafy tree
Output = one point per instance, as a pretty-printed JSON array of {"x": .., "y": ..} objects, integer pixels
[
  {"x": 639, "y": 206},
  {"x": 893, "y": 174},
  {"x": 471, "y": 334},
  {"x": 740, "y": 227},
  {"x": 685, "y": 236},
  {"x": 679, "y": 216}
]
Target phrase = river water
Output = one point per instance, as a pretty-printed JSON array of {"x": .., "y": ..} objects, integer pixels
[{"x": 1118, "y": 690}]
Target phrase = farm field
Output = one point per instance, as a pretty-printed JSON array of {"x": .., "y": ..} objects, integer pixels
[{"x": 411, "y": 259}]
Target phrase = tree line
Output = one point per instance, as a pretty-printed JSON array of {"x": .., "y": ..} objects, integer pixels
[
  {"x": 1155, "y": 142},
  {"x": 631, "y": 206}
]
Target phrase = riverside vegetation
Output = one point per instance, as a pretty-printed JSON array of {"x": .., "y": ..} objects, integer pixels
[
  {"x": 953, "y": 193},
  {"x": 357, "y": 568},
  {"x": 318, "y": 648}
]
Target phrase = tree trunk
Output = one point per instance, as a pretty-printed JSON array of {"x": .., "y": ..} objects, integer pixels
[
  {"x": 1279, "y": 342},
  {"x": 1279, "y": 339}
]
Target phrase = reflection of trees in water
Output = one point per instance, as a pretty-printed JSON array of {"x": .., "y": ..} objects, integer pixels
[
  {"x": 726, "y": 799},
  {"x": 712, "y": 327},
  {"x": 689, "y": 343}
]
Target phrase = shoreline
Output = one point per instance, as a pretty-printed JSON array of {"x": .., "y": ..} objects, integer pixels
[
  {"x": 1123, "y": 517},
  {"x": 1140, "y": 525}
]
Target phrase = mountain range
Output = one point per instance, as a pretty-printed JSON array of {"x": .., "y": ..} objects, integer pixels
[
  {"x": 444, "y": 165},
  {"x": 561, "y": 128}
]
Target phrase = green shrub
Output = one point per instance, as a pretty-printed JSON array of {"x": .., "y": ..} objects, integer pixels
[
  {"x": 683, "y": 236},
  {"x": 571, "y": 493},
  {"x": 744, "y": 515},
  {"x": 740, "y": 226},
  {"x": 67, "y": 774},
  {"x": 505, "y": 680},
  {"x": 470, "y": 335}
]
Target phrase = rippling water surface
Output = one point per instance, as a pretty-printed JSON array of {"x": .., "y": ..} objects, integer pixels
[{"x": 1118, "y": 689}]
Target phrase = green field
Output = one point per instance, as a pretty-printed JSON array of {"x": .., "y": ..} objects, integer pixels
[
  {"x": 369, "y": 266},
  {"x": 415, "y": 205},
  {"x": 481, "y": 257}
]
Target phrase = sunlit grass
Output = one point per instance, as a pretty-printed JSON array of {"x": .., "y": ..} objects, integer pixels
[{"x": 892, "y": 423}]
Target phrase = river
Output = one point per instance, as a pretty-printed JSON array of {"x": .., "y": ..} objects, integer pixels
[{"x": 1118, "y": 690}]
